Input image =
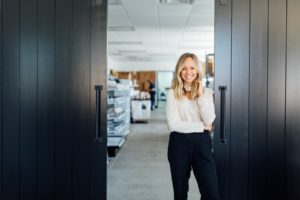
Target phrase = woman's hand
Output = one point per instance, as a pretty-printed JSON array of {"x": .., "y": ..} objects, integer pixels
[{"x": 208, "y": 127}]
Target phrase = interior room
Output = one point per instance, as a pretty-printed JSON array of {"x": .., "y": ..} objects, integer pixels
[
  {"x": 145, "y": 39},
  {"x": 84, "y": 87}
]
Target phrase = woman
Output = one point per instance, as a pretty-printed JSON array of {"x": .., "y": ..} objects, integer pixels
[{"x": 190, "y": 114}]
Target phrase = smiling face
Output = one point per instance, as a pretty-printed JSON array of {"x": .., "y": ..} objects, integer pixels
[{"x": 189, "y": 71}]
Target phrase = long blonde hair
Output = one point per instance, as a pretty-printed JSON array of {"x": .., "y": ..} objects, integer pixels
[{"x": 177, "y": 83}]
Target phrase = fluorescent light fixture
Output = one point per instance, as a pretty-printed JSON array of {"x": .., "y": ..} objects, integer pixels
[
  {"x": 195, "y": 47},
  {"x": 176, "y": 2},
  {"x": 136, "y": 58},
  {"x": 199, "y": 28},
  {"x": 132, "y": 51},
  {"x": 121, "y": 28},
  {"x": 124, "y": 43}
]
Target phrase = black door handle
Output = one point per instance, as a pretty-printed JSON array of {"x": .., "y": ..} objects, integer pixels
[
  {"x": 98, "y": 136},
  {"x": 222, "y": 124}
]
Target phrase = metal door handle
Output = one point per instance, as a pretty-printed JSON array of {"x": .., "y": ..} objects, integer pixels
[
  {"x": 98, "y": 136},
  {"x": 222, "y": 124}
]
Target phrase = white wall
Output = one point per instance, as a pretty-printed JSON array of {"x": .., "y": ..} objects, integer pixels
[{"x": 164, "y": 79}]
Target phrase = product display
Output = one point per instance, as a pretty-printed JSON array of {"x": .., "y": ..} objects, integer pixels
[{"x": 118, "y": 116}]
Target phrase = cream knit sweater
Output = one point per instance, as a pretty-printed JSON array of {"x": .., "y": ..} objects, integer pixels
[{"x": 187, "y": 116}]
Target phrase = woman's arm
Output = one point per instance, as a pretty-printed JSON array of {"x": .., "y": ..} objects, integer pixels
[
  {"x": 207, "y": 107},
  {"x": 174, "y": 121}
]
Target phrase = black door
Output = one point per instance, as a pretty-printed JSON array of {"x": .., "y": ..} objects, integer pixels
[
  {"x": 257, "y": 49},
  {"x": 53, "y": 99}
]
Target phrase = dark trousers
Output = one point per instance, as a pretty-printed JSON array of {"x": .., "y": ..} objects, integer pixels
[
  {"x": 188, "y": 151},
  {"x": 152, "y": 101}
]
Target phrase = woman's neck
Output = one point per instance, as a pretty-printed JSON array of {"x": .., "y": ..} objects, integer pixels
[
  {"x": 187, "y": 87},
  {"x": 188, "y": 94}
]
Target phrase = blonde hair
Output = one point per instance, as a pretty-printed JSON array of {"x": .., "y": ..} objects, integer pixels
[{"x": 177, "y": 83}]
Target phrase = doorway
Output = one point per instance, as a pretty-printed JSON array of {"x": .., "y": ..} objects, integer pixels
[{"x": 145, "y": 39}]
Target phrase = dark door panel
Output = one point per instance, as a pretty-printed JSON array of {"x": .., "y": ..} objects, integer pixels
[
  {"x": 1, "y": 89},
  {"x": 262, "y": 152},
  {"x": 240, "y": 99},
  {"x": 276, "y": 99},
  {"x": 258, "y": 99},
  {"x": 82, "y": 140},
  {"x": 52, "y": 54},
  {"x": 292, "y": 102},
  {"x": 45, "y": 98},
  {"x": 98, "y": 67},
  {"x": 28, "y": 99},
  {"x": 223, "y": 78},
  {"x": 11, "y": 101},
  {"x": 64, "y": 100}
]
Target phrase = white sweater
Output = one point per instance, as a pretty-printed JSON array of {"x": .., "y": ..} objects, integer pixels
[{"x": 187, "y": 116}]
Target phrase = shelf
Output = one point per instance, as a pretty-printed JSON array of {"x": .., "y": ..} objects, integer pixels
[
  {"x": 117, "y": 118},
  {"x": 114, "y": 144},
  {"x": 115, "y": 141},
  {"x": 118, "y": 93},
  {"x": 118, "y": 130}
]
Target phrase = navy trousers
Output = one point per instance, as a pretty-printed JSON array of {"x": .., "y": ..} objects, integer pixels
[{"x": 188, "y": 151}]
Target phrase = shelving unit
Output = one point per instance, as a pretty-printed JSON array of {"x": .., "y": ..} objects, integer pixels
[{"x": 118, "y": 119}]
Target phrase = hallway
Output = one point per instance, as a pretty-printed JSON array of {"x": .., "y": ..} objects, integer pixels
[{"x": 140, "y": 170}]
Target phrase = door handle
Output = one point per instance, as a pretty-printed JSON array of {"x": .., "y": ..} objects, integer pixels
[
  {"x": 98, "y": 136},
  {"x": 222, "y": 89}
]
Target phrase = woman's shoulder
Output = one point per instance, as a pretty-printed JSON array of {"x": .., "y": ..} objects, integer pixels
[{"x": 171, "y": 95}]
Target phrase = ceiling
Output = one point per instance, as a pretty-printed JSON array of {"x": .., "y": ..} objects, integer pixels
[{"x": 151, "y": 34}]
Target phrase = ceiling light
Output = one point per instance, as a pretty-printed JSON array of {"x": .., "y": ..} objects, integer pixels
[
  {"x": 125, "y": 43},
  {"x": 136, "y": 58},
  {"x": 132, "y": 51},
  {"x": 176, "y": 2},
  {"x": 121, "y": 28}
]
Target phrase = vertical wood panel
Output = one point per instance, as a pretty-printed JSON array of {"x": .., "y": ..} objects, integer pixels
[
  {"x": 240, "y": 99},
  {"x": 223, "y": 66},
  {"x": 82, "y": 75},
  {"x": 1, "y": 96},
  {"x": 28, "y": 99},
  {"x": 276, "y": 98},
  {"x": 292, "y": 101},
  {"x": 64, "y": 101},
  {"x": 46, "y": 96},
  {"x": 11, "y": 73},
  {"x": 258, "y": 99},
  {"x": 98, "y": 69},
  {"x": 46, "y": 91}
]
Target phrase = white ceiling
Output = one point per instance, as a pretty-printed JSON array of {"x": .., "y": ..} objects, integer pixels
[{"x": 150, "y": 35}]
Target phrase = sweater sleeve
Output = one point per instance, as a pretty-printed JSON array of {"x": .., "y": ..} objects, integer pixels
[
  {"x": 174, "y": 121},
  {"x": 207, "y": 107}
]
